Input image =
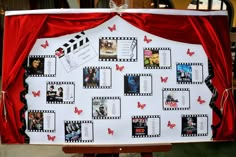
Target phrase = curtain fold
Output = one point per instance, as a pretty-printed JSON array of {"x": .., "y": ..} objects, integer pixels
[{"x": 22, "y": 31}]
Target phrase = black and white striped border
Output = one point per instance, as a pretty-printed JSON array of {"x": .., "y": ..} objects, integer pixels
[
  {"x": 148, "y": 116},
  {"x": 60, "y": 83},
  {"x": 43, "y": 56},
  {"x": 107, "y": 98},
  {"x": 175, "y": 108},
  {"x": 133, "y": 46},
  {"x": 99, "y": 67},
  {"x": 158, "y": 48},
  {"x": 192, "y": 64},
  {"x": 42, "y": 111},
  {"x": 79, "y": 122},
  {"x": 195, "y": 115},
  {"x": 139, "y": 94}
]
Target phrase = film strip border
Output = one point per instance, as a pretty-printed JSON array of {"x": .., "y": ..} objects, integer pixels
[
  {"x": 79, "y": 40},
  {"x": 80, "y": 140},
  {"x": 69, "y": 92},
  {"x": 190, "y": 81},
  {"x": 175, "y": 108},
  {"x": 140, "y": 93},
  {"x": 100, "y": 74},
  {"x": 132, "y": 46},
  {"x": 41, "y": 122},
  {"x": 197, "y": 116},
  {"x": 114, "y": 107},
  {"x": 46, "y": 70},
  {"x": 158, "y": 66},
  {"x": 148, "y": 116}
]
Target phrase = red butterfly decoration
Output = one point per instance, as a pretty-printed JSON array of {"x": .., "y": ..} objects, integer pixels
[
  {"x": 164, "y": 79},
  {"x": 200, "y": 100},
  {"x": 110, "y": 131},
  {"x": 51, "y": 138},
  {"x": 141, "y": 105},
  {"x": 36, "y": 93},
  {"x": 78, "y": 111},
  {"x": 45, "y": 45},
  {"x": 59, "y": 52},
  {"x": 147, "y": 40},
  {"x": 113, "y": 28},
  {"x": 119, "y": 68},
  {"x": 190, "y": 53},
  {"x": 170, "y": 125}
]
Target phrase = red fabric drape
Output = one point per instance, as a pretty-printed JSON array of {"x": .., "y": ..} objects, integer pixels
[{"x": 22, "y": 31}]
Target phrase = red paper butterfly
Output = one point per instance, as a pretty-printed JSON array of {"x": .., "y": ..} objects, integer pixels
[
  {"x": 200, "y": 100},
  {"x": 141, "y": 105},
  {"x": 78, "y": 111},
  {"x": 36, "y": 93},
  {"x": 164, "y": 79},
  {"x": 59, "y": 52},
  {"x": 119, "y": 68},
  {"x": 190, "y": 53},
  {"x": 170, "y": 125},
  {"x": 45, "y": 45},
  {"x": 113, "y": 28},
  {"x": 51, "y": 138},
  {"x": 110, "y": 131},
  {"x": 147, "y": 40}
]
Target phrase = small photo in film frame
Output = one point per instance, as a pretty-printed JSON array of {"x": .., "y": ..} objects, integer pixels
[
  {"x": 194, "y": 125},
  {"x": 138, "y": 85},
  {"x": 146, "y": 126},
  {"x": 78, "y": 131},
  {"x": 176, "y": 98},
  {"x": 41, "y": 66},
  {"x": 157, "y": 58},
  {"x": 97, "y": 77},
  {"x": 60, "y": 92},
  {"x": 106, "y": 107},
  {"x": 41, "y": 121},
  {"x": 189, "y": 73},
  {"x": 118, "y": 49}
]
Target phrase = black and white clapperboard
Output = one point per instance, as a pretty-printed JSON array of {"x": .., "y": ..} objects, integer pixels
[{"x": 77, "y": 51}]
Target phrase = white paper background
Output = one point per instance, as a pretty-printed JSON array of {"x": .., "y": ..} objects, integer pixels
[{"x": 122, "y": 127}]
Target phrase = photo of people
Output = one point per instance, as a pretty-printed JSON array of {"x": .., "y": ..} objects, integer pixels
[
  {"x": 171, "y": 101},
  {"x": 151, "y": 58},
  {"x": 91, "y": 77},
  {"x": 73, "y": 131},
  {"x": 132, "y": 84},
  {"x": 184, "y": 73},
  {"x": 99, "y": 108},
  {"x": 139, "y": 126},
  {"x": 108, "y": 49},
  {"x": 36, "y": 66},
  {"x": 189, "y": 125},
  {"x": 55, "y": 94},
  {"x": 35, "y": 121}
]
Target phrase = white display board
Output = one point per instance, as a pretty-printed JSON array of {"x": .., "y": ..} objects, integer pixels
[{"x": 116, "y": 84}]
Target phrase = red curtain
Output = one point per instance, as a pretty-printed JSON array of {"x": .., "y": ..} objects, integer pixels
[{"x": 22, "y": 31}]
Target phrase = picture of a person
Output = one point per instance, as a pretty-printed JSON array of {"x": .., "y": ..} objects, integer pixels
[
  {"x": 51, "y": 94},
  {"x": 90, "y": 77},
  {"x": 132, "y": 84},
  {"x": 154, "y": 60},
  {"x": 101, "y": 112},
  {"x": 35, "y": 121},
  {"x": 59, "y": 95},
  {"x": 191, "y": 126},
  {"x": 151, "y": 58},
  {"x": 36, "y": 66}
]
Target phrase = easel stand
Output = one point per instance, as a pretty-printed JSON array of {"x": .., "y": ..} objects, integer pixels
[{"x": 92, "y": 150}]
